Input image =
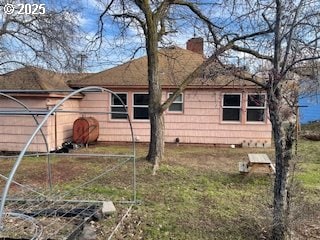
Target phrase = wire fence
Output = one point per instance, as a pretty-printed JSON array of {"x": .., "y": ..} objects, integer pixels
[{"x": 51, "y": 195}]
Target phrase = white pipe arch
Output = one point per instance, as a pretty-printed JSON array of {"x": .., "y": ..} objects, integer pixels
[{"x": 40, "y": 125}]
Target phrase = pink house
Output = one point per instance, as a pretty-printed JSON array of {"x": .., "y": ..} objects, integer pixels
[
  {"x": 217, "y": 108},
  {"x": 15, "y": 130}
]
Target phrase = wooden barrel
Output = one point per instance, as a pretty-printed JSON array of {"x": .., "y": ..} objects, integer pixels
[{"x": 85, "y": 130}]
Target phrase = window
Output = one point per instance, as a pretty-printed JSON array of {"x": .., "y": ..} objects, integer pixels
[
  {"x": 140, "y": 106},
  {"x": 231, "y": 107},
  {"x": 177, "y": 105},
  {"x": 117, "y": 107},
  {"x": 256, "y": 105}
]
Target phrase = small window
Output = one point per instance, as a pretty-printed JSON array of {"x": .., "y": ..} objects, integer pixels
[
  {"x": 177, "y": 104},
  {"x": 117, "y": 109},
  {"x": 231, "y": 107},
  {"x": 256, "y": 105},
  {"x": 140, "y": 106}
]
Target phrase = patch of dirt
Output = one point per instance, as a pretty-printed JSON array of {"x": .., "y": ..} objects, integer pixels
[
  {"x": 213, "y": 158},
  {"x": 306, "y": 225},
  {"x": 65, "y": 171}
]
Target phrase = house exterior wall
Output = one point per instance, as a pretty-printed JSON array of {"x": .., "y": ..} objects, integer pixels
[
  {"x": 109, "y": 130},
  {"x": 60, "y": 126},
  {"x": 17, "y": 130},
  {"x": 310, "y": 110},
  {"x": 200, "y": 121}
]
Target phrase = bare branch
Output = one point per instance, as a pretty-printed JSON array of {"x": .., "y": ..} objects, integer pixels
[
  {"x": 211, "y": 26},
  {"x": 195, "y": 74},
  {"x": 291, "y": 66},
  {"x": 132, "y": 16},
  {"x": 39, "y": 39},
  {"x": 277, "y": 43},
  {"x": 99, "y": 34},
  {"x": 252, "y": 52},
  {"x": 160, "y": 12},
  {"x": 267, "y": 21},
  {"x": 289, "y": 41}
]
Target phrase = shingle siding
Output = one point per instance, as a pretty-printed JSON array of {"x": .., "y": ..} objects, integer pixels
[{"x": 200, "y": 121}]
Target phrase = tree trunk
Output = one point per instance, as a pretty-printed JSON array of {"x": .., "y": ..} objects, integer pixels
[
  {"x": 283, "y": 150},
  {"x": 156, "y": 146}
]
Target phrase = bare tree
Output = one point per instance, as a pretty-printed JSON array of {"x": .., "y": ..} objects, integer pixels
[
  {"x": 156, "y": 19},
  {"x": 292, "y": 41},
  {"x": 278, "y": 35},
  {"x": 310, "y": 75},
  {"x": 44, "y": 37}
]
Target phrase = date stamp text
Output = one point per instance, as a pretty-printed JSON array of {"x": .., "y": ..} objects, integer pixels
[{"x": 24, "y": 9}]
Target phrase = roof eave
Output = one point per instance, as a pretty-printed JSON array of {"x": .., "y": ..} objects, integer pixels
[
  {"x": 167, "y": 86},
  {"x": 45, "y": 95}
]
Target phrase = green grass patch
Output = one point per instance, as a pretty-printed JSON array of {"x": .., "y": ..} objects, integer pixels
[
  {"x": 309, "y": 164},
  {"x": 197, "y": 193},
  {"x": 310, "y": 176}
]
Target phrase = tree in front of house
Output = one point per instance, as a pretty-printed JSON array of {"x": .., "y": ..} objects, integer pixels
[
  {"x": 155, "y": 21},
  {"x": 292, "y": 40},
  {"x": 152, "y": 20},
  {"x": 279, "y": 35}
]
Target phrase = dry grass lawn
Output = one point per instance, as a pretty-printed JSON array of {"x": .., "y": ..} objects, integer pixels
[{"x": 197, "y": 193}]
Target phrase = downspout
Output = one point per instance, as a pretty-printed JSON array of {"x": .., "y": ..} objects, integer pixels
[{"x": 56, "y": 130}]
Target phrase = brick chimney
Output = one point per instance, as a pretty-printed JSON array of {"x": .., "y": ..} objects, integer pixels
[{"x": 195, "y": 45}]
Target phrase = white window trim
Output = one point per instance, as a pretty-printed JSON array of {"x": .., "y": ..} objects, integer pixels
[
  {"x": 250, "y": 107},
  {"x": 222, "y": 107},
  {"x": 176, "y": 101},
  {"x": 142, "y": 106},
  {"x": 126, "y": 105}
]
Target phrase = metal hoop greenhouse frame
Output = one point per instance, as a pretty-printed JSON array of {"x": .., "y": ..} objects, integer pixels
[{"x": 47, "y": 114}]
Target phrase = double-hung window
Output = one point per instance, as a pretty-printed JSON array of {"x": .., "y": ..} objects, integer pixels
[
  {"x": 140, "y": 106},
  {"x": 231, "y": 106},
  {"x": 117, "y": 109},
  {"x": 177, "y": 104},
  {"x": 256, "y": 107}
]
